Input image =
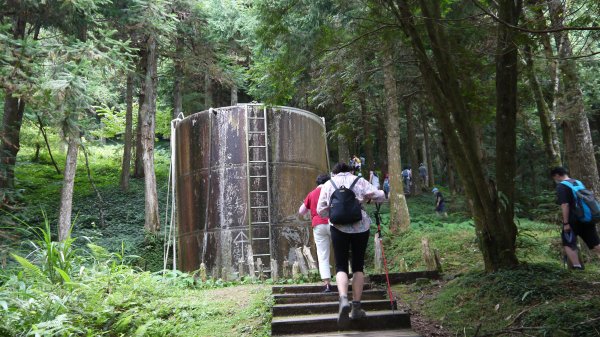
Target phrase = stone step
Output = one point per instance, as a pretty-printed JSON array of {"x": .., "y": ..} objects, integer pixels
[
  {"x": 379, "y": 333},
  {"x": 375, "y": 320},
  {"x": 325, "y": 307},
  {"x": 325, "y": 297},
  {"x": 309, "y": 288},
  {"x": 408, "y": 277}
]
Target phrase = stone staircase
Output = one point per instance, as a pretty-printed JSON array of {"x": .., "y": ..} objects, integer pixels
[{"x": 303, "y": 310}]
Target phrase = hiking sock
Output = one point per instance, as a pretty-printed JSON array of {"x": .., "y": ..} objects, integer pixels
[{"x": 343, "y": 318}]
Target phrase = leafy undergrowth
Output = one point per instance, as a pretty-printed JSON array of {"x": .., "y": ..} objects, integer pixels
[
  {"x": 533, "y": 300},
  {"x": 100, "y": 295},
  {"x": 39, "y": 190},
  {"x": 454, "y": 238},
  {"x": 541, "y": 298}
]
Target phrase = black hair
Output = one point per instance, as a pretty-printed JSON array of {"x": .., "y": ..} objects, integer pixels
[
  {"x": 559, "y": 170},
  {"x": 322, "y": 179},
  {"x": 340, "y": 167}
]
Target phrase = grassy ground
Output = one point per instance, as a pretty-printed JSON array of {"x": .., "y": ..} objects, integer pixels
[
  {"x": 39, "y": 190},
  {"x": 541, "y": 298},
  {"x": 117, "y": 300}
]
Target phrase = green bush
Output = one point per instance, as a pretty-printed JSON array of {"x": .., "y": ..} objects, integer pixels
[{"x": 101, "y": 295}]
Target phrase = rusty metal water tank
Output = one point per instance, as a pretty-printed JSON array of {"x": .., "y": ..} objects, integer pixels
[{"x": 241, "y": 173}]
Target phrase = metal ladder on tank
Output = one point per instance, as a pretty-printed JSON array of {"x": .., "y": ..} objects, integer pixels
[{"x": 259, "y": 194}]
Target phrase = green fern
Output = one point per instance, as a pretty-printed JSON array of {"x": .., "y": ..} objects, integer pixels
[{"x": 29, "y": 267}]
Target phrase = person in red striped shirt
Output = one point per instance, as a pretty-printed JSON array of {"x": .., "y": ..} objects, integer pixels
[{"x": 321, "y": 231}]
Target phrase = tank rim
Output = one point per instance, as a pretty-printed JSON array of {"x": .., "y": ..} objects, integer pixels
[{"x": 293, "y": 109}]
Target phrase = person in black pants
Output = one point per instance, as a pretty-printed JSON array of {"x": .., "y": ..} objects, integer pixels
[
  {"x": 572, "y": 227},
  {"x": 352, "y": 237}
]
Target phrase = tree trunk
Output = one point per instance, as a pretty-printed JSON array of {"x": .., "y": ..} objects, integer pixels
[
  {"x": 399, "y": 217},
  {"x": 413, "y": 159},
  {"x": 11, "y": 121},
  {"x": 457, "y": 122},
  {"x": 126, "y": 165},
  {"x": 549, "y": 133},
  {"x": 66, "y": 194},
  {"x": 427, "y": 150},
  {"x": 148, "y": 115},
  {"x": 381, "y": 141},
  {"x": 43, "y": 132},
  {"x": 506, "y": 136},
  {"x": 138, "y": 165},
  {"x": 138, "y": 169},
  {"x": 343, "y": 151},
  {"x": 208, "y": 91},
  {"x": 452, "y": 185},
  {"x": 234, "y": 95},
  {"x": 177, "y": 87},
  {"x": 11, "y": 134},
  {"x": 366, "y": 127},
  {"x": 578, "y": 138}
]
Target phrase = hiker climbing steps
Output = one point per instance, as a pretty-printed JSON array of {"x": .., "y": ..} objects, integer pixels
[{"x": 306, "y": 310}]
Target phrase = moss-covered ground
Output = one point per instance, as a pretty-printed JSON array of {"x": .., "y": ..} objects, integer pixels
[{"x": 541, "y": 298}]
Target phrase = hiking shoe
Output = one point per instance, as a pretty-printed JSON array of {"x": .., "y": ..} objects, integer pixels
[
  {"x": 579, "y": 268},
  {"x": 343, "y": 318},
  {"x": 327, "y": 288},
  {"x": 357, "y": 312}
]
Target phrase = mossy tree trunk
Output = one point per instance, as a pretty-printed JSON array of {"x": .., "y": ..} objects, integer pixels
[
  {"x": 66, "y": 194},
  {"x": 138, "y": 168},
  {"x": 491, "y": 207},
  {"x": 126, "y": 164},
  {"x": 579, "y": 148},
  {"x": 178, "y": 76},
  {"x": 399, "y": 216},
  {"x": 148, "y": 115},
  {"x": 412, "y": 147},
  {"x": 12, "y": 119},
  {"x": 427, "y": 151},
  {"x": 548, "y": 127}
]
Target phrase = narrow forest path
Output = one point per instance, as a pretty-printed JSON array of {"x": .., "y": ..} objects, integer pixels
[{"x": 303, "y": 310}]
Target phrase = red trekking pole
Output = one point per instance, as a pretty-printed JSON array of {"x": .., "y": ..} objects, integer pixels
[{"x": 387, "y": 276}]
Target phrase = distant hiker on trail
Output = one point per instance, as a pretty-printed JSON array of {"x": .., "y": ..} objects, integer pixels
[
  {"x": 440, "y": 203},
  {"x": 320, "y": 230},
  {"x": 357, "y": 163},
  {"x": 340, "y": 200},
  {"x": 579, "y": 210},
  {"x": 423, "y": 174},
  {"x": 386, "y": 185},
  {"x": 374, "y": 179},
  {"x": 406, "y": 177}
]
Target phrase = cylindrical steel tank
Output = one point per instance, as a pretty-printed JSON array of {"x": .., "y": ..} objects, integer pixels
[{"x": 225, "y": 202}]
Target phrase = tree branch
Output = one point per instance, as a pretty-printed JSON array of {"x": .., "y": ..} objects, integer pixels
[
  {"x": 360, "y": 37},
  {"x": 527, "y": 30}
]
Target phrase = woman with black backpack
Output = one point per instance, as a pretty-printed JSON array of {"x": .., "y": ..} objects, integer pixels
[{"x": 340, "y": 200}]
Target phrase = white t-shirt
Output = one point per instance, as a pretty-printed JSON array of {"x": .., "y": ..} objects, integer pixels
[
  {"x": 375, "y": 181},
  {"x": 364, "y": 191}
]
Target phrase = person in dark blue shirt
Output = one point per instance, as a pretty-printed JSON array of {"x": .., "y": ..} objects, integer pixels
[
  {"x": 571, "y": 226},
  {"x": 440, "y": 203}
]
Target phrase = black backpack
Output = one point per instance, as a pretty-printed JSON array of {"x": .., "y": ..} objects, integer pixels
[{"x": 344, "y": 207}]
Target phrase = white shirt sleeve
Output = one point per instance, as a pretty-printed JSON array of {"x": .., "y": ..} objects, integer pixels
[
  {"x": 323, "y": 204},
  {"x": 370, "y": 192},
  {"x": 303, "y": 210}
]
